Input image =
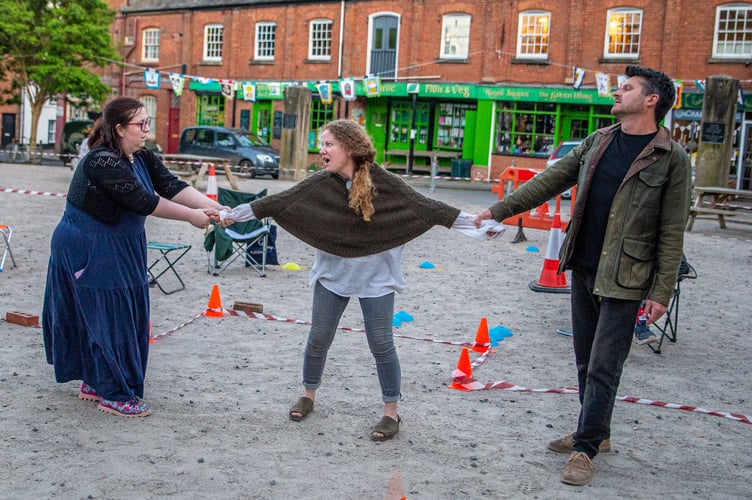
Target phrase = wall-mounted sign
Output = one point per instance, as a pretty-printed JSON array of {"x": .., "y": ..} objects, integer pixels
[{"x": 713, "y": 132}]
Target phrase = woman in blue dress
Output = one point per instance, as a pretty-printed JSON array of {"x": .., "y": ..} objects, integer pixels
[{"x": 96, "y": 307}]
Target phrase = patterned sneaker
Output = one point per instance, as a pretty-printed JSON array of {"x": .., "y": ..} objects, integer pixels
[
  {"x": 134, "y": 407},
  {"x": 87, "y": 393}
]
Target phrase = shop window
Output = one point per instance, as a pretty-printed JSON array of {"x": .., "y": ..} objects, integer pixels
[
  {"x": 450, "y": 130},
  {"x": 321, "y": 114},
  {"x": 150, "y": 45},
  {"x": 210, "y": 110},
  {"x": 265, "y": 41},
  {"x": 213, "y": 36},
  {"x": 733, "y": 32},
  {"x": 455, "y": 36},
  {"x": 399, "y": 125},
  {"x": 623, "y": 28},
  {"x": 532, "y": 34},
  {"x": 320, "y": 43},
  {"x": 525, "y": 128}
]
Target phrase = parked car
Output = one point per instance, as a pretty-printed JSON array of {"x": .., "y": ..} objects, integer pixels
[
  {"x": 248, "y": 153},
  {"x": 74, "y": 132},
  {"x": 557, "y": 154}
]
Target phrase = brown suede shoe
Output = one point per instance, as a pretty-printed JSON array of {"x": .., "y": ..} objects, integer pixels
[
  {"x": 564, "y": 444},
  {"x": 579, "y": 469}
]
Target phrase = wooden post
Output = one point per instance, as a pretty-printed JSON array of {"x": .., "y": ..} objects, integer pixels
[
  {"x": 294, "y": 142},
  {"x": 716, "y": 131}
]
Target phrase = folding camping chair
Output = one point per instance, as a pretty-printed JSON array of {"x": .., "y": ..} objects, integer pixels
[
  {"x": 670, "y": 323},
  {"x": 170, "y": 254},
  {"x": 232, "y": 242},
  {"x": 7, "y": 233}
]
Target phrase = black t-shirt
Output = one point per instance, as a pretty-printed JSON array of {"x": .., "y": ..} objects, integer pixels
[{"x": 609, "y": 174}]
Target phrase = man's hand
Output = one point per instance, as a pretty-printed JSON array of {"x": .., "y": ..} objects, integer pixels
[
  {"x": 653, "y": 311},
  {"x": 482, "y": 215}
]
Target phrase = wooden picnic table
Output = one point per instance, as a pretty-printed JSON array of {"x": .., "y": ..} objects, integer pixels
[
  {"x": 195, "y": 167},
  {"x": 722, "y": 203}
]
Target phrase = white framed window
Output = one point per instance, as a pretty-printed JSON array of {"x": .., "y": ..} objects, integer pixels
[
  {"x": 533, "y": 34},
  {"x": 265, "y": 41},
  {"x": 51, "y": 125},
  {"x": 623, "y": 28},
  {"x": 213, "y": 34},
  {"x": 732, "y": 38},
  {"x": 150, "y": 106},
  {"x": 455, "y": 36},
  {"x": 320, "y": 45},
  {"x": 150, "y": 45}
]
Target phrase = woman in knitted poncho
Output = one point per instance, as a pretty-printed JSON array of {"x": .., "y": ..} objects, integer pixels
[{"x": 358, "y": 216}]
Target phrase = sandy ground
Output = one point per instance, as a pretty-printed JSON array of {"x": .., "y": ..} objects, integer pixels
[{"x": 221, "y": 387}]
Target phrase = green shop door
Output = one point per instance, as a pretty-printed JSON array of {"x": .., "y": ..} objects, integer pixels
[
  {"x": 376, "y": 121},
  {"x": 263, "y": 120},
  {"x": 574, "y": 126}
]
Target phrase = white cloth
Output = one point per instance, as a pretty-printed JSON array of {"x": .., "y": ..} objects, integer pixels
[{"x": 489, "y": 228}]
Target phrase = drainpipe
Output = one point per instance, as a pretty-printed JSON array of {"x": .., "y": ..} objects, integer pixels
[
  {"x": 341, "y": 35},
  {"x": 129, "y": 52}
]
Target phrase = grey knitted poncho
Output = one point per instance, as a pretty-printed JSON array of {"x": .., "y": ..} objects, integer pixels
[{"x": 316, "y": 211}]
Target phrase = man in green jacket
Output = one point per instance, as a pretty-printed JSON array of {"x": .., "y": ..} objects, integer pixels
[{"x": 623, "y": 245}]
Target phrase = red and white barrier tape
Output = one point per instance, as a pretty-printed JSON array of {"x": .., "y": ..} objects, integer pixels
[{"x": 26, "y": 191}]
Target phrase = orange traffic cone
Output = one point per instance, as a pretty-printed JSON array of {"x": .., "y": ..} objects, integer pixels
[
  {"x": 151, "y": 335},
  {"x": 211, "y": 185},
  {"x": 214, "y": 309},
  {"x": 482, "y": 337},
  {"x": 550, "y": 280},
  {"x": 395, "y": 490},
  {"x": 464, "y": 371}
]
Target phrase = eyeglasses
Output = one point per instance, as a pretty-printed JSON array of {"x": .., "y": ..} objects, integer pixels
[{"x": 143, "y": 124}]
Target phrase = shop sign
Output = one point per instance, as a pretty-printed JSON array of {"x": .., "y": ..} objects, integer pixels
[
  {"x": 449, "y": 90},
  {"x": 531, "y": 94}
]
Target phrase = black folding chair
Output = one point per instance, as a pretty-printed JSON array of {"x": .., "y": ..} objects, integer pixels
[{"x": 670, "y": 324}]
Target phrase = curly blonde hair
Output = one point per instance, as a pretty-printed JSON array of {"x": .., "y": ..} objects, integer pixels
[{"x": 358, "y": 143}]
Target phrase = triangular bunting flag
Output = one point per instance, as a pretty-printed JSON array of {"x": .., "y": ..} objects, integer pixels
[
  {"x": 678, "y": 86},
  {"x": 700, "y": 84},
  {"x": 151, "y": 78},
  {"x": 603, "y": 81},
  {"x": 325, "y": 92},
  {"x": 249, "y": 91},
  {"x": 373, "y": 86},
  {"x": 740, "y": 97},
  {"x": 578, "y": 76},
  {"x": 227, "y": 88},
  {"x": 177, "y": 82},
  {"x": 620, "y": 79},
  {"x": 347, "y": 89}
]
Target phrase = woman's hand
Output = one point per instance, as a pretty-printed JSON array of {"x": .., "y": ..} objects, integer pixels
[{"x": 200, "y": 218}]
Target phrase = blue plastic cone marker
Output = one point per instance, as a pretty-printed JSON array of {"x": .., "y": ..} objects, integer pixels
[
  {"x": 403, "y": 316},
  {"x": 396, "y": 321},
  {"x": 532, "y": 249},
  {"x": 426, "y": 265},
  {"x": 499, "y": 333}
]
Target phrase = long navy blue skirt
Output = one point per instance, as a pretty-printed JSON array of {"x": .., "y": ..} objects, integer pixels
[{"x": 95, "y": 318}]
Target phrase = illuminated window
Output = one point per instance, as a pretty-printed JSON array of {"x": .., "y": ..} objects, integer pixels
[
  {"x": 150, "y": 51},
  {"x": 320, "y": 46},
  {"x": 733, "y": 31},
  {"x": 455, "y": 36},
  {"x": 265, "y": 41},
  {"x": 213, "y": 35},
  {"x": 623, "y": 29},
  {"x": 532, "y": 34}
]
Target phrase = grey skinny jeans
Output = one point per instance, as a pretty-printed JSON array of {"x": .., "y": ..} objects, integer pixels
[{"x": 378, "y": 313}]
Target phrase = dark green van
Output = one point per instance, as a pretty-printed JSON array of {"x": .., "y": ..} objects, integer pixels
[{"x": 74, "y": 132}]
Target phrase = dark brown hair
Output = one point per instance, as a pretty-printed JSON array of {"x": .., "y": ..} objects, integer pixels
[{"x": 118, "y": 111}]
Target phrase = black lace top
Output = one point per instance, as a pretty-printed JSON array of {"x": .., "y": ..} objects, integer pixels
[{"x": 104, "y": 185}]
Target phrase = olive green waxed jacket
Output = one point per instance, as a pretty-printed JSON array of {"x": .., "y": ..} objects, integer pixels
[{"x": 644, "y": 238}]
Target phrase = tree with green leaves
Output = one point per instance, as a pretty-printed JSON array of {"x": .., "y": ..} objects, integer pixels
[{"x": 49, "y": 47}]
